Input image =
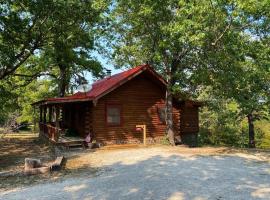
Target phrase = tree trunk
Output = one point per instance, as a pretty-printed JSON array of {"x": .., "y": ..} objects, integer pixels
[
  {"x": 169, "y": 108},
  {"x": 62, "y": 85},
  {"x": 251, "y": 132},
  {"x": 169, "y": 116}
]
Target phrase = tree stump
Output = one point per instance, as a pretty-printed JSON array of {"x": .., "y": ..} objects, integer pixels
[
  {"x": 57, "y": 164},
  {"x": 34, "y": 166},
  {"x": 39, "y": 170},
  {"x": 30, "y": 163}
]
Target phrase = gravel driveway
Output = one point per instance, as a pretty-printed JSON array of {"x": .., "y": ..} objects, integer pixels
[{"x": 159, "y": 173}]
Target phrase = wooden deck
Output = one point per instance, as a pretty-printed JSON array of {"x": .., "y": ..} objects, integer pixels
[
  {"x": 57, "y": 137},
  {"x": 70, "y": 142}
]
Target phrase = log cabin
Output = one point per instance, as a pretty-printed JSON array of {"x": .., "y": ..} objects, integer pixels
[{"x": 112, "y": 109}]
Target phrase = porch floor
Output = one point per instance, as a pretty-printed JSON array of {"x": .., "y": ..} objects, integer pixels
[
  {"x": 70, "y": 141},
  {"x": 64, "y": 139}
]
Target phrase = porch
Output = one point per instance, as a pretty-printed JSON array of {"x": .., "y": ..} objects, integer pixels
[{"x": 65, "y": 124}]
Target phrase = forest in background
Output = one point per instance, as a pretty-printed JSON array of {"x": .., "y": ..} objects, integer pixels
[{"x": 213, "y": 51}]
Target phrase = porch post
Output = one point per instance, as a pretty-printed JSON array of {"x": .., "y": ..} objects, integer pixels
[
  {"x": 44, "y": 114},
  {"x": 53, "y": 114},
  {"x": 50, "y": 114},
  {"x": 57, "y": 114},
  {"x": 40, "y": 113},
  {"x": 35, "y": 121}
]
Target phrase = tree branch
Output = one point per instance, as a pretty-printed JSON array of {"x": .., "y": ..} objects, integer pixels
[
  {"x": 222, "y": 34},
  {"x": 33, "y": 76},
  {"x": 23, "y": 56}
]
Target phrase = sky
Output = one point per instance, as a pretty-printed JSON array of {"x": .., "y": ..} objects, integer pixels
[{"x": 106, "y": 64}]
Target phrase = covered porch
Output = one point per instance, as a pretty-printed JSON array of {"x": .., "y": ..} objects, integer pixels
[{"x": 65, "y": 123}]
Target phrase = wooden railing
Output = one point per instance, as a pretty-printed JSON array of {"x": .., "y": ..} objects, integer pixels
[{"x": 50, "y": 131}]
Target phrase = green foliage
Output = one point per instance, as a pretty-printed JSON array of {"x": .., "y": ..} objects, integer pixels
[
  {"x": 36, "y": 38},
  {"x": 164, "y": 141},
  {"x": 19, "y": 99},
  {"x": 263, "y": 136},
  {"x": 29, "y": 26},
  {"x": 222, "y": 124},
  {"x": 67, "y": 55},
  {"x": 8, "y": 103},
  {"x": 35, "y": 91}
]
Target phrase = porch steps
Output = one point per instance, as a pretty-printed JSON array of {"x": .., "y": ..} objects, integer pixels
[{"x": 71, "y": 142}]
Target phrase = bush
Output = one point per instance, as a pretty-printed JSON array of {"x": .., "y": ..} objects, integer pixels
[
  {"x": 262, "y": 132},
  {"x": 164, "y": 141}
]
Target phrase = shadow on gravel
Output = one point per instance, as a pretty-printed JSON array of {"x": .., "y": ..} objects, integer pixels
[{"x": 158, "y": 177}]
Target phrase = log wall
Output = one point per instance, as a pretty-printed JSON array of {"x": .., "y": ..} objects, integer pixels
[{"x": 139, "y": 99}]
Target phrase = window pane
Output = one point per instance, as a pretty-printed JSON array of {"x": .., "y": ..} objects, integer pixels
[{"x": 113, "y": 115}]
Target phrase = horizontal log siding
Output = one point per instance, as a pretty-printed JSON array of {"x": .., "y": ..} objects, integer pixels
[
  {"x": 139, "y": 99},
  {"x": 189, "y": 120}
]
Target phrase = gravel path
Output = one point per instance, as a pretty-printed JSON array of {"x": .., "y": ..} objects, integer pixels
[{"x": 158, "y": 173}]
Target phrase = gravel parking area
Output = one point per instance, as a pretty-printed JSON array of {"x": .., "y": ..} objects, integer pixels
[{"x": 159, "y": 173}]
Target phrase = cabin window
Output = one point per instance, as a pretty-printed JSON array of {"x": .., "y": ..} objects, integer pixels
[
  {"x": 161, "y": 114},
  {"x": 113, "y": 115}
]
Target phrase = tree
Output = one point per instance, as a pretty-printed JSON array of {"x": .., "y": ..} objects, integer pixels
[
  {"x": 8, "y": 102},
  {"x": 248, "y": 83},
  {"x": 28, "y": 27},
  {"x": 250, "y": 86},
  {"x": 24, "y": 27},
  {"x": 72, "y": 42},
  {"x": 176, "y": 37},
  {"x": 41, "y": 42}
]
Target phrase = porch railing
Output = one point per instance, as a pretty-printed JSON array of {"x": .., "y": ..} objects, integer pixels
[{"x": 50, "y": 131}]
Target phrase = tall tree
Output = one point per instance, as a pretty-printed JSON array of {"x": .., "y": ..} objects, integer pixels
[
  {"x": 72, "y": 43},
  {"x": 28, "y": 27},
  {"x": 24, "y": 27},
  {"x": 248, "y": 83},
  {"x": 174, "y": 36}
]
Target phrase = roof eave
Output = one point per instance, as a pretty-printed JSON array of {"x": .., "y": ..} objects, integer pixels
[
  {"x": 146, "y": 67},
  {"x": 44, "y": 102}
]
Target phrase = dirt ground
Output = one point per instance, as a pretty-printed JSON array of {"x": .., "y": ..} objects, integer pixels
[
  {"x": 156, "y": 172},
  {"x": 15, "y": 147},
  {"x": 138, "y": 172}
]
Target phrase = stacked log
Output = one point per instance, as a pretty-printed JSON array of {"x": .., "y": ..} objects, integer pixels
[{"x": 34, "y": 166}]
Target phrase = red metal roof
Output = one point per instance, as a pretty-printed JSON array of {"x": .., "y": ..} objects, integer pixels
[{"x": 106, "y": 85}]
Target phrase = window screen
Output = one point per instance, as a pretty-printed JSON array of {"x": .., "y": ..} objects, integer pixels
[{"x": 113, "y": 115}]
